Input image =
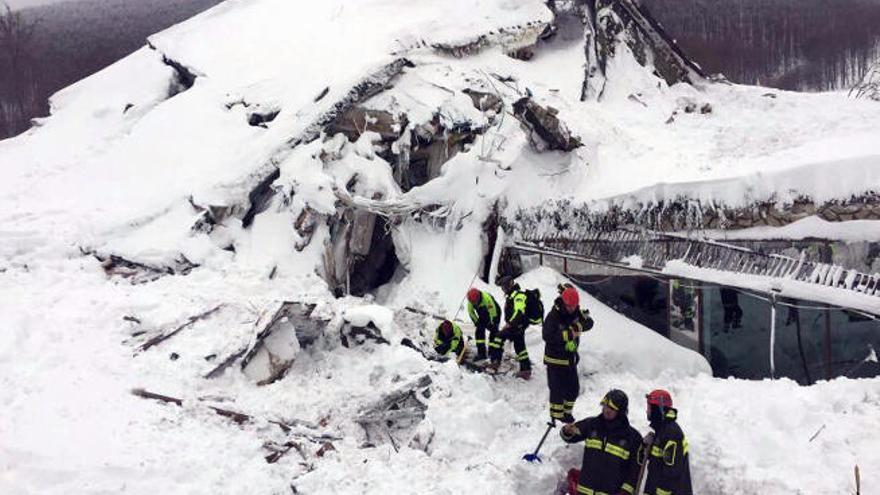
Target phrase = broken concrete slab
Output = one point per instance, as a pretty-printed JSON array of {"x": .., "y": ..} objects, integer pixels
[
  {"x": 281, "y": 331},
  {"x": 545, "y": 130},
  {"x": 395, "y": 416}
]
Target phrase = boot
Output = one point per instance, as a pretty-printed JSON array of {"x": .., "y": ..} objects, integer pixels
[
  {"x": 568, "y": 419},
  {"x": 492, "y": 368},
  {"x": 524, "y": 374},
  {"x": 481, "y": 354}
]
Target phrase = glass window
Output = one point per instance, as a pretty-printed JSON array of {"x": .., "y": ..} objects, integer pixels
[
  {"x": 736, "y": 333},
  {"x": 639, "y": 298},
  {"x": 800, "y": 334},
  {"x": 855, "y": 341}
]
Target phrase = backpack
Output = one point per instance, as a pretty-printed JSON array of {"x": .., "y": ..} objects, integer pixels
[{"x": 534, "y": 306}]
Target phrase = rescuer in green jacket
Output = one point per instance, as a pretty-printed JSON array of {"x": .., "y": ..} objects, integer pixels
[
  {"x": 521, "y": 309},
  {"x": 448, "y": 338},
  {"x": 486, "y": 314}
]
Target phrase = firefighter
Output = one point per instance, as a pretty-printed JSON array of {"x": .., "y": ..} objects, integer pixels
[
  {"x": 448, "y": 338},
  {"x": 521, "y": 309},
  {"x": 562, "y": 330},
  {"x": 485, "y": 313},
  {"x": 613, "y": 449},
  {"x": 669, "y": 470}
]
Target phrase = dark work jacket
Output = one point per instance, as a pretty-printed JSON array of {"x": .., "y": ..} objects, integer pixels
[
  {"x": 669, "y": 470},
  {"x": 612, "y": 450},
  {"x": 523, "y": 308},
  {"x": 559, "y": 328}
]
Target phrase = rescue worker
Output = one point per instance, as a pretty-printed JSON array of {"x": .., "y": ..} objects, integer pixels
[
  {"x": 485, "y": 313},
  {"x": 563, "y": 327},
  {"x": 448, "y": 338},
  {"x": 613, "y": 449},
  {"x": 669, "y": 470},
  {"x": 521, "y": 309}
]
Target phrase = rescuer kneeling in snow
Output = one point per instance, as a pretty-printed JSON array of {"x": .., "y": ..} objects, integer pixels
[
  {"x": 562, "y": 330},
  {"x": 669, "y": 470},
  {"x": 612, "y": 448},
  {"x": 448, "y": 338},
  {"x": 485, "y": 313}
]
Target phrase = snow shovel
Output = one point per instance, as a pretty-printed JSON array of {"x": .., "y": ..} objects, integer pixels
[{"x": 534, "y": 457}]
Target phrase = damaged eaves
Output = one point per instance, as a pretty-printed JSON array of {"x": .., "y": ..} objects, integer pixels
[
  {"x": 685, "y": 214},
  {"x": 518, "y": 41}
]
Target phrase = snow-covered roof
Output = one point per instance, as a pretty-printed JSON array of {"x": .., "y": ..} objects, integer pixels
[{"x": 156, "y": 157}]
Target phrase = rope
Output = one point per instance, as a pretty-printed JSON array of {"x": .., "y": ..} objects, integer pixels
[
  {"x": 598, "y": 282},
  {"x": 470, "y": 284}
]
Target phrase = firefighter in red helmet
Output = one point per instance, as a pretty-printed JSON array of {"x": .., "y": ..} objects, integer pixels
[
  {"x": 668, "y": 462},
  {"x": 486, "y": 314},
  {"x": 562, "y": 329}
]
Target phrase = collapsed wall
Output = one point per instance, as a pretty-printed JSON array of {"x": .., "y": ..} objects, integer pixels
[{"x": 616, "y": 28}]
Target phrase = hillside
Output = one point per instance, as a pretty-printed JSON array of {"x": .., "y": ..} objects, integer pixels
[
  {"x": 223, "y": 258},
  {"x": 74, "y": 39}
]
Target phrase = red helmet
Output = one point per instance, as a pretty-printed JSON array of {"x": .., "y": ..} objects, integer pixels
[
  {"x": 570, "y": 297},
  {"x": 446, "y": 327},
  {"x": 659, "y": 398},
  {"x": 473, "y": 296}
]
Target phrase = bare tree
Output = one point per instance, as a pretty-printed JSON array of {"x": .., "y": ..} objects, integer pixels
[{"x": 18, "y": 89}]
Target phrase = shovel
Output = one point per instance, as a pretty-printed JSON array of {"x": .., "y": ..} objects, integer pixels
[{"x": 534, "y": 457}]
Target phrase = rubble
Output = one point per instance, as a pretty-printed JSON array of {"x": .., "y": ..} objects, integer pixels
[
  {"x": 137, "y": 272},
  {"x": 397, "y": 414},
  {"x": 612, "y": 23},
  {"x": 545, "y": 130},
  {"x": 281, "y": 331}
]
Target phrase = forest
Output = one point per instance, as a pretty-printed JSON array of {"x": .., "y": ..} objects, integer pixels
[{"x": 804, "y": 45}]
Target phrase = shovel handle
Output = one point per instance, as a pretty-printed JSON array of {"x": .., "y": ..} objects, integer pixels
[{"x": 858, "y": 481}]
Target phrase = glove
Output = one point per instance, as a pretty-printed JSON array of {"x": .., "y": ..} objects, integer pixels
[
  {"x": 571, "y": 346},
  {"x": 649, "y": 438}
]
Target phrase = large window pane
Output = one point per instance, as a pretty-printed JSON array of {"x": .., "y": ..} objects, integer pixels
[
  {"x": 855, "y": 341},
  {"x": 802, "y": 360},
  {"x": 736, "y": 333}
]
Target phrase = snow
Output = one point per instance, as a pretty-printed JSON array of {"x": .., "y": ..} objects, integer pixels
[
  {"x": 134, "y": 181},
  {"x": 794, "y": 289},
  {"x": 807, "y": 228}
]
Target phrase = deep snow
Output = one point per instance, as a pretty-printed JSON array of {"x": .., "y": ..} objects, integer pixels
[{"x": 101, "y": 175}]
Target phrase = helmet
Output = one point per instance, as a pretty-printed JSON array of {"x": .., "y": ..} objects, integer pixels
[
  {"x": 659, "y": 398},
  {"x": 506, "y": 284},
  {"x": 473, "y": 296},
  {"x": 570, "y": 296},
  {"x": 446, "y": 327},
  {"x": 617, "y": 400}
]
